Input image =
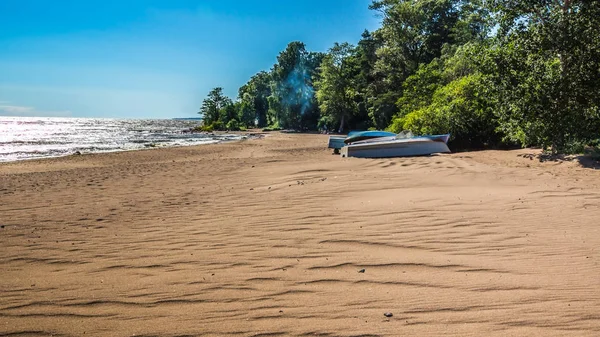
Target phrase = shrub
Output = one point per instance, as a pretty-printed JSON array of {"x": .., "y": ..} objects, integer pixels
[
  {"x": 460, "y": 108},
  {"x": 233, "y": 125},
  {"x": 207, "y": 128}
]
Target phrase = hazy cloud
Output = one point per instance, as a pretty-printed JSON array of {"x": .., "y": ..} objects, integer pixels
[{"x": 26, "y": 111}]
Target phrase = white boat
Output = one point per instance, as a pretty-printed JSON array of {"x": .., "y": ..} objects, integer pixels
[
  {"x": 393, "y": 147},
  {"x": 337, "y": 142}
]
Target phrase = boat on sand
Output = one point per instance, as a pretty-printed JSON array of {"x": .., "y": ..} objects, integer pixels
[
  {"x": 337, "y": 142},
  {"x": 384, "y": 147},
  {"x": 354, "y": 137}
]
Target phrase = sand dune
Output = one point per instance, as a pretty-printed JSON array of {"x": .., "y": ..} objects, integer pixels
[{"x": 278, "y": 237}]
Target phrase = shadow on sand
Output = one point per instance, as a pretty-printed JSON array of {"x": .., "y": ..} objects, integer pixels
[{"x": 585, "y": 160}]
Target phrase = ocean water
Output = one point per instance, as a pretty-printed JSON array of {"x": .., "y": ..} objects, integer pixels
[{"x": 32, "y": 137}]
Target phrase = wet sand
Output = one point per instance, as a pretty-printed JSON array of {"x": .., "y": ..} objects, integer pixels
[{"x": 278, "y": 237}]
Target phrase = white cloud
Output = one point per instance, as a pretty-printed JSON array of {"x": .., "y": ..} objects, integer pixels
[{"x": 26, "y": 111}]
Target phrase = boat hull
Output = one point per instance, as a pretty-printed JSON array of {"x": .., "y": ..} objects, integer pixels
[
  {"x": 395, "y": 148},
  {"x": 438, "y": 138}
]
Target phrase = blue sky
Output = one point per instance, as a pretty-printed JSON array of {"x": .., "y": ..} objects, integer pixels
[{"x": 151, "y": 58}]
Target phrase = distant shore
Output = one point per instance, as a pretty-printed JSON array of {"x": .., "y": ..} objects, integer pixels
[{"x": 277, "y": 236}]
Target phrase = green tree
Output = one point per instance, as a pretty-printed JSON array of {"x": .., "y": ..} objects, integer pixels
[
  {"x": 292, "y": 93},
  {"x": 228, "y": 112},
  {"x": 419, "y": 88},
  {"x": 414, "y": 32},
  {"x": 212, "y": 106},
  {"x": 545, "y": 68},
  {"x": 461, "y": 108},
  {"x": 310, "y": 113},
  {"x": 259, "y": 89},
  {"x": 247, "y": 110},
  {"x": 337, "y": 94},
  {"x": 364, "y": 60}
]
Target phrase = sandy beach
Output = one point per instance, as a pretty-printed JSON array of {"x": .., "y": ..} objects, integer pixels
[{"x": 278, "y": 237}]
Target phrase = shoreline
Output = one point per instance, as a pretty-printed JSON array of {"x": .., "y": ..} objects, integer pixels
[
  {"x": 279, "y": 236},
  {"x": 246, "y": 135}
]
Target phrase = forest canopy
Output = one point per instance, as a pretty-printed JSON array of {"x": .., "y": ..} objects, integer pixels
[{"x": 489, "y": 72}]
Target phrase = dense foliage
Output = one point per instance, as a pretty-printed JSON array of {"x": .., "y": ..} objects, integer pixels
[{"x": 490, "y": 72}]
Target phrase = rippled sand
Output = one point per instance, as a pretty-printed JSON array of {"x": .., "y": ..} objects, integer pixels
[{"x": 269, "y": 237}]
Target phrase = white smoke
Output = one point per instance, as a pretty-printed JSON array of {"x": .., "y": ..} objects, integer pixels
[{"x": 299, "y": 90}]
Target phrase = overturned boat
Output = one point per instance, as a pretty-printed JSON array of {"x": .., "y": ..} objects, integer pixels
[
  {"x": 357, "y": 136},
  {"x": 338, "y": 142},
  {"x": 384, "y": 147}
]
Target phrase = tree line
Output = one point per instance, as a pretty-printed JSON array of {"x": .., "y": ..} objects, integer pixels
[{"x": 490, "y": 72}]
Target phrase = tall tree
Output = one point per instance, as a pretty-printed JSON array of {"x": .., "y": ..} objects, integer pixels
[
  {"x": 247, "y": 110},
  {"x": 364, "y": 60},
  {"x": 337, "y": 94},
  {"x": 545, "y": 66},
  {"x": 259, "y": 89},
  {"x": 414, "y": 32},
  {"x": 212, "y": 106},
  {"x": 292, "y": 93},
  {"x": 228, "y": 112}
]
